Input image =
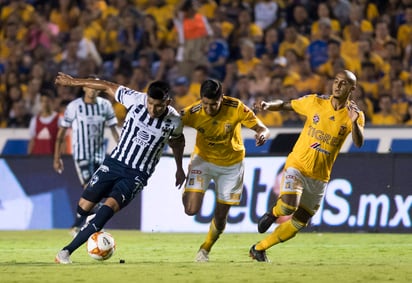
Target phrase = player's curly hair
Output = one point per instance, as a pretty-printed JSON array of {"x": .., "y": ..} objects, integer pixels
[
  {"x": 159, "y": 90},
  {"x": 211, "y": 89}
]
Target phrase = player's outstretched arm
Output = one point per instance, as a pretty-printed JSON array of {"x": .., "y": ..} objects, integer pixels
[
  {"x": 275, "y": 105},
  {"x": 102, "y": 85}
]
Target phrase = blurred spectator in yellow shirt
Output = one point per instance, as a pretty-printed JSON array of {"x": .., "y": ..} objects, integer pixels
[
  {"x": 21, "y": 7},
  {"x": 65, "y": 14},
  {"x": 293, "y": 40},
  {"x": 323, "y": 12},
  {"x": 248, "y": 58},
  {"x": 409, "y": 116},
  {"x": 181, "y": 95},
  {"x": 385, "y": 115},
  {"x": 399, "y": 100},
  {"x": 404, "y": 33},
  {"x": 244, "y": 29}
]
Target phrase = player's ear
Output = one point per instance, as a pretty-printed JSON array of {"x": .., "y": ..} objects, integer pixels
[{"x": 353, "y": 88}]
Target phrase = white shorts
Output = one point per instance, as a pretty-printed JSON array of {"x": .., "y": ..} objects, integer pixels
[
  {"x": 228, "y": 179},
  {"x": 310, "y": 190}
]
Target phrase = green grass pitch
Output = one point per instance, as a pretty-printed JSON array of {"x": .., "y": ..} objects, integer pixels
[{"x": 27, "y": 256}]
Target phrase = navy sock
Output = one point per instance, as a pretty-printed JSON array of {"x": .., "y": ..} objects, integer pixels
[
  {"x": 102, "y": 216},
  {"x": 80, "y": 217}
]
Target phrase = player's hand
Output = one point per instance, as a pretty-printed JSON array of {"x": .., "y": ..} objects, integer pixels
[
  {"x": 180, "y": 177},
  {"x": 260, "y": 105},
  {"x": 63, "y": 79},
  {"x": 58, "y": 165},
  {"x": 262, "y": 137},
  {"x": 353, "y": 111}
]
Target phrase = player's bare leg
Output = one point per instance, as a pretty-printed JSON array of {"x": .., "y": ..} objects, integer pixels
[{"x": 192, "y": 202}]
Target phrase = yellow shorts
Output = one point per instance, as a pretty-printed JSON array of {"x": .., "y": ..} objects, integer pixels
[
  {"x": 311, "y": 191},
  {"x": 228, "y": 180}
]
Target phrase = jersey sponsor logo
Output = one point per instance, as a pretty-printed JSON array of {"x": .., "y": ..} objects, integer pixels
[
  {"x": 316, "y": 119},
  {"x": 316, "y": 146},
  {"x": 321, "y": 136},
  {"x": 140, "y": 142},
  {"x": 143, "y": 135}
]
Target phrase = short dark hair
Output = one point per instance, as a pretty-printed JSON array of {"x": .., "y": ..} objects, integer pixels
[
  {"x": 211, "y": 88},
  {"x": 48, "y": 93},
  {"x": 159, "y": 90}
]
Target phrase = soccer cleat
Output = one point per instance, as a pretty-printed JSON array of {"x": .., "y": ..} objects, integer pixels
[
  {"x": 202, "y": 256},
  {"x": 265, "y": 222},
  {"x": 63, "y": 257},
  {"x": 258, "y": 255}
]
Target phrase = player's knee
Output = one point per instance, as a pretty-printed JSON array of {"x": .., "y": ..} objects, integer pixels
[
  {"x": 81, "y": 211},
  {"x": 192, "y": 203},
  {"x": 191, "y": 210},
  {"x": 116, "y": 201}
]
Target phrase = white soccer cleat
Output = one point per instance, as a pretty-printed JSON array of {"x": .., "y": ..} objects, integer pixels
[
  {"x": 63, "y": 257},
  {"x": 202, "y": 256}
]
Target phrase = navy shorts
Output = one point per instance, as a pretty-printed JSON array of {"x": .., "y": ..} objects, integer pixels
[
  {"x": 85, "y": 170},
  {"x": 114, "y": 179}
]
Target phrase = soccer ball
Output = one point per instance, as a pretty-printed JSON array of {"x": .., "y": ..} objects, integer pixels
[{"x": 101, "y": 245}]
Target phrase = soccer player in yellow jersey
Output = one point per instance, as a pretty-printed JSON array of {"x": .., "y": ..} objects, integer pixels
[
  {"x": 218, "y": 154},
  {"x": 329, "y": 120}
]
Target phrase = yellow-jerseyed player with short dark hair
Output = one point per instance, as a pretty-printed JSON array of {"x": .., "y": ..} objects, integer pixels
[
  {"x": 218, "y": 155},
  {"x": 329, "y": 120}
]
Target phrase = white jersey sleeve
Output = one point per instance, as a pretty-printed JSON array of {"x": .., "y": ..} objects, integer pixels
[{"x": 129, "y": 97}]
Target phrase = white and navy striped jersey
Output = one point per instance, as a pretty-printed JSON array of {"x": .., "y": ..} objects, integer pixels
[
  {"x": 143, "y": 138},
  {"x": 87, "y": 121}
]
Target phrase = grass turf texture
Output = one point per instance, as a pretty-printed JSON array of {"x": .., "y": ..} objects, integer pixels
[{"x": 27, "y": 256}]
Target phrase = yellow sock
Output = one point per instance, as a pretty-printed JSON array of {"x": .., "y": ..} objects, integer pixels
[
  {"x": 211, "y": 237},
  {"x": 281, "y": 208},
  {"x": 283, "y": 232}
]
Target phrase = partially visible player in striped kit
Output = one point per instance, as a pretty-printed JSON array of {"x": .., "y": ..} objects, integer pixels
[
  {"x": 150, "y": 124},
  {"x": 87, "y": 116}
]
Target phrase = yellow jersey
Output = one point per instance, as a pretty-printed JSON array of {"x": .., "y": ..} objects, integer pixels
[
  {"x": 218, "y": 139},
  {"x": 322, "y": 136}
]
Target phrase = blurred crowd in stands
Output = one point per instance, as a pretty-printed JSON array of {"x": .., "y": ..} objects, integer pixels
[{"x": 265, "y": 49}]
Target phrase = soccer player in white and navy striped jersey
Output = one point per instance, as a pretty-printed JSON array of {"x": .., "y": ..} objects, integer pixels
[
  {"x": 87, "y": 116},
  {"x": 150, "y": 124}
]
